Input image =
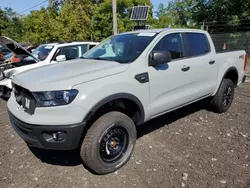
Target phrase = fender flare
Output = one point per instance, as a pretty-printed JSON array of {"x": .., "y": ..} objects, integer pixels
[
  {"x": 229, "y": 69},
  {"x": 118, "y": 96},
  {"x": 224, "y": 75}
]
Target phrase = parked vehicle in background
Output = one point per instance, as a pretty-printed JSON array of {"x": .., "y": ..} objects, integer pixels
[
  {"x": 43, "y": 55},
  {"x": 5, "y": 58},
  {"x": 95, "y": 103},
  {"x": 4, "y": 51}
]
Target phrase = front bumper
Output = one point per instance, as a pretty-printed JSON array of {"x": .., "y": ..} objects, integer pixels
[{"x": 41, "y": 136}]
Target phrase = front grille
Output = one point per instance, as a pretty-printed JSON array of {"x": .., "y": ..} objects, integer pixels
[
  {"x": 20, "y": 90},
  {"x": 21, "y": 94}
]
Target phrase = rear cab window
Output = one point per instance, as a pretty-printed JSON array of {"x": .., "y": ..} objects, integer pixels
[{"x": 197, "y": 44}]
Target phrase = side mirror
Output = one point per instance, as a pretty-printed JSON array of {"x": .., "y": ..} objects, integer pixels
[
  {"x": 159, "y": 57},
  {"x": 61, "y": 58}
]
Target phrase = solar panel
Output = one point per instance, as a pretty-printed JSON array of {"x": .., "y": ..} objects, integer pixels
[{"x": 139, "y": 13}]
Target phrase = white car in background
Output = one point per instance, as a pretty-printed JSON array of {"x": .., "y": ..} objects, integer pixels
[{"x": 44, "y": 54}]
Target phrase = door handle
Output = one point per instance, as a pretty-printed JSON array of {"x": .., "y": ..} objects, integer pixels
[
  {"x": 184, "y": 69},
  {"x": 212, "y": 62}
]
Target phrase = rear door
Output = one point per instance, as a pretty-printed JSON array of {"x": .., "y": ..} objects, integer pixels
[{"x": 204, "y": 66}]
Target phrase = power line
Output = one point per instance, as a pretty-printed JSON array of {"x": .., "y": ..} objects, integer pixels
[{"x": 33, "y": 7}]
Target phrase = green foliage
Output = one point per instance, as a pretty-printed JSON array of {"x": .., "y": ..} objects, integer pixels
[
  {"x": 103, "y": 20},
  {"x": 4, "y": 21},
  {"x": 92, "y": 19}
]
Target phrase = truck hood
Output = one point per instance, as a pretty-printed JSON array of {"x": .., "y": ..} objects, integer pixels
[
  {"x": 15, "y": 47},
  {"x": 9, "y": 73},
  {"x": 66, "y": 74}
]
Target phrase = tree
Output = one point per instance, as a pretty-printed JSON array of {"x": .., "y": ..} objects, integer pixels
[
  {"x": 3, "y": 21},
  {"x": 102, "y": 17},
  {"x": 11, "y": 24},
  {"x": 76, "y": 19}
]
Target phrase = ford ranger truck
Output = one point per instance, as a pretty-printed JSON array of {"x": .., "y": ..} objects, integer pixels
[
  {"x": 95, "y": 103},
  {"x": 44, "y": 54}
]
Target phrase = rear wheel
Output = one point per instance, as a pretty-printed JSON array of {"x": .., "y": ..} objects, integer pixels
[
  {"x": 109, "y": 143},
  {"x": 224, "y": 97}
]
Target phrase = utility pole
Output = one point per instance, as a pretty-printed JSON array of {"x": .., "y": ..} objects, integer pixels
[{"x": 114, "y": 17}]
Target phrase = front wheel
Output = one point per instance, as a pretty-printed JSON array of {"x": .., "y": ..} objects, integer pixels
[
  {"x": 224, "y": 97},
  {"x": 109, "y": 143}
]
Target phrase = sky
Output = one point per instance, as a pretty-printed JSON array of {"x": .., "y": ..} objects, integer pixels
[{"x": 21, "y": 5}]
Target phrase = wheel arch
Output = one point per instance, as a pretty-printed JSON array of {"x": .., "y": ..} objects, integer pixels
[
  {"x": 232, "y": 73},
  {"x": 118, "y": 96},
  {"x": 228, "y": 73}
]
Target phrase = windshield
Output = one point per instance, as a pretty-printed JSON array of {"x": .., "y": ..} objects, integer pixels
[
  {"x": 123, "y": 48},
  {"x": 41, "y": 52}
]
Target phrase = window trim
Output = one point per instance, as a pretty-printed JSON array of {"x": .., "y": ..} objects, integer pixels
[
  {"x": 186, "y": 44},
  {"x": 73, "y": 45},
  {"x": 55, "y": 54}
]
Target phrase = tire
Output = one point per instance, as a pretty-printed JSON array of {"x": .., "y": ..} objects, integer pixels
[
  {"x": 223, "y": 99},
  {"x": 97, "y": 148}
]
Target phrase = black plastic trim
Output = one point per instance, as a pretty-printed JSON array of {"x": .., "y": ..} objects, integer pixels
[
  {"x": 231, "y": 68},
  {"x": 244, "y": 79},
  {"x": 142, "y": 78},
  {"x": 33, "y": 134},
  {"x": 212, "y": 62},
  {"x": 118, "y": 96}
]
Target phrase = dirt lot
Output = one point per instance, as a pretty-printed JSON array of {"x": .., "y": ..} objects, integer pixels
[{"x": 191, "y": 147}]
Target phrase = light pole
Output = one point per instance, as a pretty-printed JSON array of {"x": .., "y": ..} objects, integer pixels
[{"x": 114, "y": 17}]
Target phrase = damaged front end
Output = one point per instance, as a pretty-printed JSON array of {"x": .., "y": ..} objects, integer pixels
[{"x": 5, "y": 89}]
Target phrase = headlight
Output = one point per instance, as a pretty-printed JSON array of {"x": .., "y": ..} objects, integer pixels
[{"x": 55, "y": 98}]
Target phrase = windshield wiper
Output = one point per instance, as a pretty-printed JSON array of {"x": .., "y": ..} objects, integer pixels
[
  {"x": 99, "y": 58},
  {"x": 95, "y": 58}
]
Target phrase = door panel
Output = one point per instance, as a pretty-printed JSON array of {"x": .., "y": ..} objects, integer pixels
[
  {"x": 168, "y": 81},
  {"x": 168, "y": 86},
  {"x": 206, "y": 66},
  {"x": 180, "y": 81}
]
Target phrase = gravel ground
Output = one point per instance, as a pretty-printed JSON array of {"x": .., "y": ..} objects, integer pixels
[{"x": 191, "y": 147}]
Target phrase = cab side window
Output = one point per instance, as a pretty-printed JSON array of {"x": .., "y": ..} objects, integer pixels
[
  {"x": 172, "y": 43},
  {"x": 84, "y": 49},
  {"x": 197, "y": 44},
  {"x": 71, "y": 52}
]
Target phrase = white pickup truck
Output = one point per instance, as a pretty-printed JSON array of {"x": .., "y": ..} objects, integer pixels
[
  {"x": 95, "y": 103},
  {"x": 44, "y": 54}
]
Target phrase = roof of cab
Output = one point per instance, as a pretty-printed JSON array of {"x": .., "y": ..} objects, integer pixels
[
  {"x": 59, "y": 44},
  {"x": 163, "y": 30}
]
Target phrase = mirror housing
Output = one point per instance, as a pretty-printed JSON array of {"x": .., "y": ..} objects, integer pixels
[
  {"x": 159, "y": 57},
  {"x": 61, "y": 58}
]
